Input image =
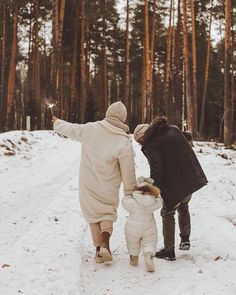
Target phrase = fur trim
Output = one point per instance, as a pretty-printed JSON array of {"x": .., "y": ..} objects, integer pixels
[{"x": 148, "y": 188}]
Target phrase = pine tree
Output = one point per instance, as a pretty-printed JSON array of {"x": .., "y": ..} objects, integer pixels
[
  {"x": 3, "y": 61},
  {"x": 228, "y": 107},
  {"x": 12, "y": 70}
]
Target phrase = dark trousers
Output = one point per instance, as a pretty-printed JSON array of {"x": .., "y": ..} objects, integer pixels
[{"x": 168, "y": 223}]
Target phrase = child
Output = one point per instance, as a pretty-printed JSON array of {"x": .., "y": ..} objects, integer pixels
[{"x": 140, "y": 227}]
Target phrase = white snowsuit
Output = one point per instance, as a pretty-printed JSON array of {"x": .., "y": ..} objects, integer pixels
[{"x": 140, "y": 227}]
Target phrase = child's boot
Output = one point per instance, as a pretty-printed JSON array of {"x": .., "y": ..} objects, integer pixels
[
  {"x": 133, "y": 260},
  {"x": 98, "y": 256},
  {"x": 149, "y": 262},
  {"x": 105, "y": 248}
]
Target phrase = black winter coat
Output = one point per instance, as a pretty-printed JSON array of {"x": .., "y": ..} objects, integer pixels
[{"x": 173, "y": 165}]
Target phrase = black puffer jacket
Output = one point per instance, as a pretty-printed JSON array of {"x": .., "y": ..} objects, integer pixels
[{"x": 173, "y": 164}]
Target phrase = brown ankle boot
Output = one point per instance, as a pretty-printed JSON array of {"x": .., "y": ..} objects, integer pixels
[
  {"x": 105, "y": 238},
  {"x": 98, "y": 256},
  {"x": 105, "y": 247}
]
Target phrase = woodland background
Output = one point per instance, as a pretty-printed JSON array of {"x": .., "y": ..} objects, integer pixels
[{"x": 175, "y": 57}]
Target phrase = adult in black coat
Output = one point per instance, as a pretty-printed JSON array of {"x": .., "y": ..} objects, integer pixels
[{"x": 177, "y": 172}]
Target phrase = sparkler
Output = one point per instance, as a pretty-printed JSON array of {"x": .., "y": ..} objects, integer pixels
[
  {"x": 184, "y": 125},
  {"x": 50, "y": 106}
]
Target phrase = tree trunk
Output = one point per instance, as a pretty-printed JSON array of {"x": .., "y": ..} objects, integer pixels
[
  {"x": 143, "y": 104},
  {"x": 202, "y": 115},
  {"x": 233, "y": 92},
  {"x": 37, "y": 68},
  {"x": 152, "y": 46},
  {"x": 12, "y": 72},
  {"x": 172, "y": 99},
  {"x": 61, "y": 22},
  {"x": 87, "y": 52},
  {"x": 45, "y": 124},
  {"x": 57, "y": 29},
  {"x": 228, "y": 120},
  {"x": 147, "y": 65},
  {"x": 83, "y": 88},
  {"x": 178, "y": 40},
  {"x": 177, "y": 73},
  {"x": 168, "y": 63},
  {"x": 29, "y": 106},
  {"x": 54, "y": 46},
  {"x": 59, "y": 57},
  {"x": 194, "y": 59},
  {"x": 73, "y": 79},
  {"x": 190, "y": 105},
  {"x": 104, "y": 63},
  {"x": 3, "y": 60},
  {"x": 63, "y": 99},
  {"x": 127, "y": 62}
]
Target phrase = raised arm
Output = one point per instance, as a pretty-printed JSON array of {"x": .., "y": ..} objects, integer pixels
[{"x": 73, "y": 131}]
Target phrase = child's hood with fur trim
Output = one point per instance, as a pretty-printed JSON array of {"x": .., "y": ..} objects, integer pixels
[{"x": 146, "y": 194}]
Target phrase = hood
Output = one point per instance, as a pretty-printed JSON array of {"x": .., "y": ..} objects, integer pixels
[
  {"x": 139, "y": 131},
  {"x": 117, "y": 110}
]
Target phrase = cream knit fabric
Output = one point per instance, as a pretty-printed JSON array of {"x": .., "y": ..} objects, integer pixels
[
  {"x": 117, "y": 110},
  {"x": 139, "y": 131}
]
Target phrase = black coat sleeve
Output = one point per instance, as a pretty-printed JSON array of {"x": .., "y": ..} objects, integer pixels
[{"x": 153, "y": 156}]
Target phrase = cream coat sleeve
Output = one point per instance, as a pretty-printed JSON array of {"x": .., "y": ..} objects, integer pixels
[
  {"x": 128, "y": 203},
  {"x": 127, "y": 168},
  {"x": 73, "y": 131}
]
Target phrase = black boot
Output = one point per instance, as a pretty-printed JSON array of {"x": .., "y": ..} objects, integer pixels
[
  {"x": 166, "y": 254},
  {"x": 184, "y": 244}
]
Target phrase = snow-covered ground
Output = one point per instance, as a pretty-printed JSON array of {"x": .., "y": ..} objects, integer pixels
[{"x": 45, "y": 245}]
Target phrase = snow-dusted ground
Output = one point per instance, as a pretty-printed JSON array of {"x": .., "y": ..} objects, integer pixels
[{"x": 45, "y": 245}]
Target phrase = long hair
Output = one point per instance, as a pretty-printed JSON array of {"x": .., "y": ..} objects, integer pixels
[{"x": 159, "y": 125}]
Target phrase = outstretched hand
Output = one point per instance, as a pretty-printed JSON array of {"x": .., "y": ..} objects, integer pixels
[{"x": 54, "y": 118}]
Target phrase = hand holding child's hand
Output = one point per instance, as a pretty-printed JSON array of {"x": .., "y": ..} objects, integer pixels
[{"x": 54, "y": 118}]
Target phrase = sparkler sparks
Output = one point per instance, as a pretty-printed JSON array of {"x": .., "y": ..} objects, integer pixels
[{"x": 50, "y": 106}]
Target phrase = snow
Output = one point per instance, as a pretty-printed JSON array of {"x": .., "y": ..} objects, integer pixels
[{"x": 45, "y": 244}]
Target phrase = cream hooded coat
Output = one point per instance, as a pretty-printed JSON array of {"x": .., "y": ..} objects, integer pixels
[
  {"x": 140, "y": 227},
  {"x": 106, "y": 160}
]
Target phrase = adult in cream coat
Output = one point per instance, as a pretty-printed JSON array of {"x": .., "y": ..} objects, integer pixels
[{"x": 106, "y": 161}]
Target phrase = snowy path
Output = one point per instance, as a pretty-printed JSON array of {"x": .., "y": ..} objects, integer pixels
[
  {"x": 45, "y": 245},
  {"x": 40, "y": 221}
]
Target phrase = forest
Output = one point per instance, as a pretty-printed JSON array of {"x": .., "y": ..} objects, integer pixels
[{"x": 160, "y": 57}]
